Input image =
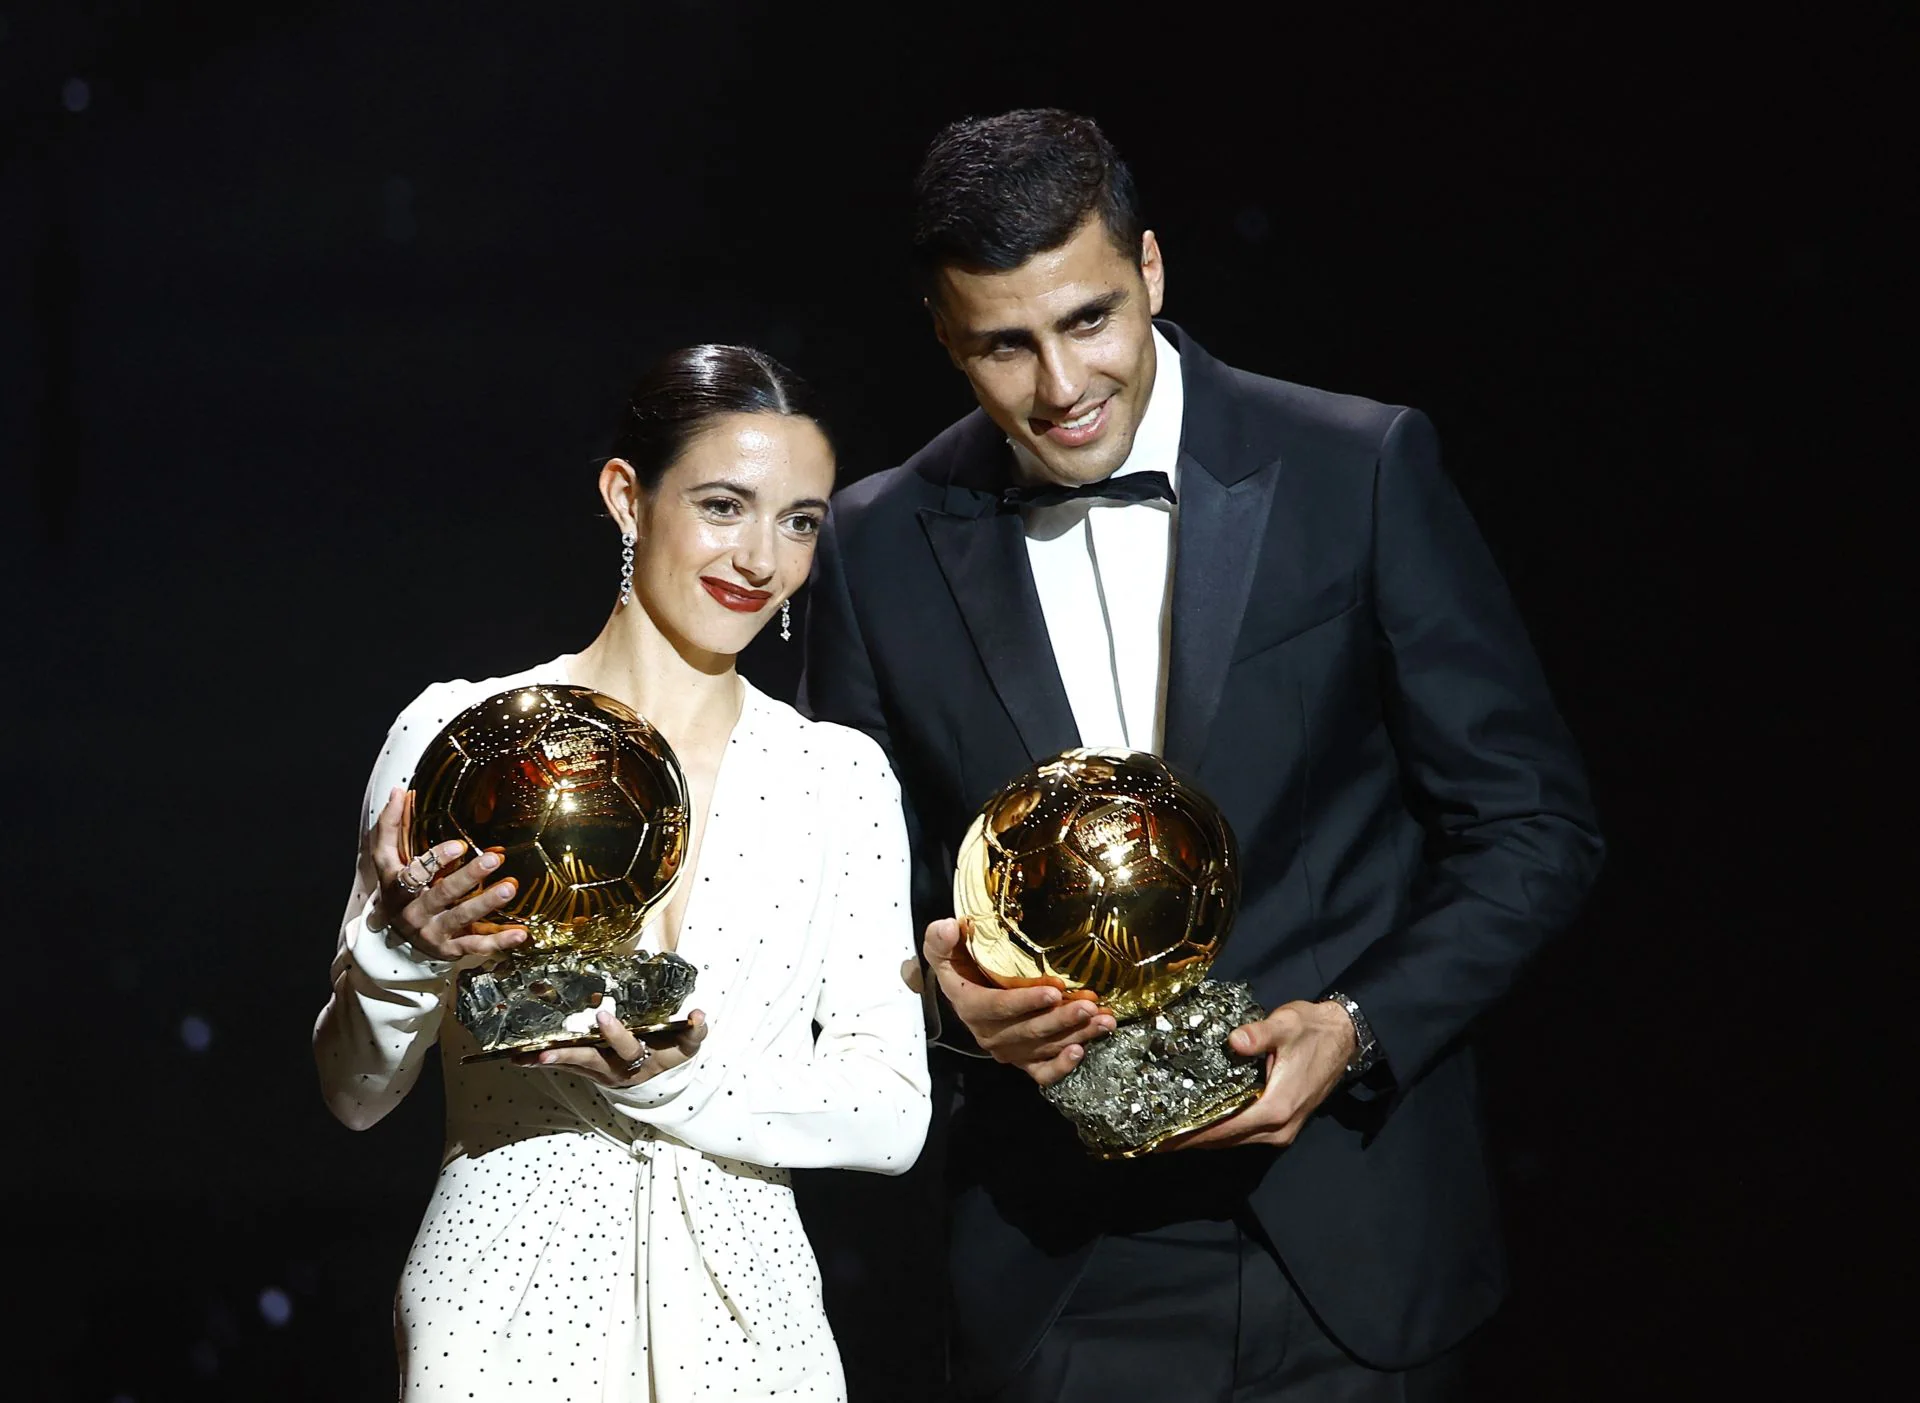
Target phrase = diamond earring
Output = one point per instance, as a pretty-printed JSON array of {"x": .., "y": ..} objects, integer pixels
[
  {"x": 786, "y": 621},
  {"x": 626, "y": 568}
]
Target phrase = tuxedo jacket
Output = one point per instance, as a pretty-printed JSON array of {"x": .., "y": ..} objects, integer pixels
[{"x": 1349, "y": 681}]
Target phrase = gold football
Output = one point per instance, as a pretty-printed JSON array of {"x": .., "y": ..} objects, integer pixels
[
  {"x": 1103, "y": 870},
  {"x": 584, "y": 801}
]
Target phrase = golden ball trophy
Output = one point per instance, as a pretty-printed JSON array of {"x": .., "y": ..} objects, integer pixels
[
  {"x": 1101, "y": 871},
  {"x": 586, "y": 805}
]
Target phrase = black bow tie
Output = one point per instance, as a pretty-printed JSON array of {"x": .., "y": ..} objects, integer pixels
[{"x": 1134, "y": 487}]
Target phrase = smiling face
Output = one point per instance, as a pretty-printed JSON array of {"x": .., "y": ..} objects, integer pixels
[
  {"x": 729, "y": 532},
  {"x": 1060, "y": 349}
]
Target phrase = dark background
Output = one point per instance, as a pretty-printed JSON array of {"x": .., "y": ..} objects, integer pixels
[{"x": 310, "y": 323}]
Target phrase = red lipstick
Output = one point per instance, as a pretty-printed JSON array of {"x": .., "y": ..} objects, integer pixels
[{"x": 735, "y": 597}]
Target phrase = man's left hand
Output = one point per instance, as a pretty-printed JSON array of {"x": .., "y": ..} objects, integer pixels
[{"x": 1308, "y": 1047}]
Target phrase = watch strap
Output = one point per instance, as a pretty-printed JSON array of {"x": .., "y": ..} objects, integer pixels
[{"x": 1366, "y": 1049}]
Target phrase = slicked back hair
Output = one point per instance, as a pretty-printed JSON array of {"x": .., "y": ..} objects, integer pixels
[
  {"x": 684, "y": 391},
  {"x": 994, "y": 191}
]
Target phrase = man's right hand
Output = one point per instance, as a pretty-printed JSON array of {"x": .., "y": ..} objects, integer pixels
[{"x": 1041, "y": 1028}]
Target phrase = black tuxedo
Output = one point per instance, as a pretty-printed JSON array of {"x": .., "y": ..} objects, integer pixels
[{"x": 1349, "y": 681}]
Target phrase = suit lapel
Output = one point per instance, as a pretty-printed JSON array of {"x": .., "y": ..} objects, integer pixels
[
  {"x": 1227, "y": 487},
  {"x": 984, "y": 560},
  {"x": 1216, "y": 547}
]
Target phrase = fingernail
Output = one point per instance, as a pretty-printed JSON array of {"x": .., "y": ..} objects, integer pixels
[
  {"x": 1076, "y": 1052},
  {"x": 504, "y": 892},
  {"x": 489, "y": 861},
  {"x": 1053, "y": 996},
  {"x": 1105, "y": 1024}
]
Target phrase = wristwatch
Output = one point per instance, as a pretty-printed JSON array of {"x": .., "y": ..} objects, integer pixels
[{"x": 1366, "y": 1050}]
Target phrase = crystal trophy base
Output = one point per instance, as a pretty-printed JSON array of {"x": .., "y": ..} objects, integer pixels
[
  {"x": 542, "y": 1000},
  {"x": 1163, "y": 1073}
]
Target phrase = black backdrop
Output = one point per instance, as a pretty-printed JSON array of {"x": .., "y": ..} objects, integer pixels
[{"x": 311, "y": 323}]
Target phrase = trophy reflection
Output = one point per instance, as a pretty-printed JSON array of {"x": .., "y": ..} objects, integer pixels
[
  {"x": 587, "y": 806},
  {"x": 1102, "y": 870}
]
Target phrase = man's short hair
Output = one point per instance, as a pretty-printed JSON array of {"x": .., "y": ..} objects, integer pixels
[{"x": 994, "y": 191}]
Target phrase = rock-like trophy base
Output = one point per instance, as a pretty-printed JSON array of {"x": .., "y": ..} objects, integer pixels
[
  {"x": 539, "y": 1001},
  {"x": 1163, "y": 1074}
]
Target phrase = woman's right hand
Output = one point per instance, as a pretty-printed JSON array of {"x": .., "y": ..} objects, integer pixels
[{"x": 439, "y": 909}]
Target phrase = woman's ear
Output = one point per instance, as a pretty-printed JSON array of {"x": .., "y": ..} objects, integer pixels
[{"x": 620, "y": 490}]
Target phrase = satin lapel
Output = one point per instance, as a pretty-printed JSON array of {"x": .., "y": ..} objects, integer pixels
[
  {"x": 1216, "y": 547},
  {"x": 984, "y": 559}
]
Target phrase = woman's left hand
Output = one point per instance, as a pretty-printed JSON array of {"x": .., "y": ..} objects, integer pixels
[{"x": 625, "y": 1059}]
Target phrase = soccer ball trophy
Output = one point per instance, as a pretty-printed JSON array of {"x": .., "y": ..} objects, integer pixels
[
  {"x": 587, "y": 807},
  {"x": 1102, "y": 871}
]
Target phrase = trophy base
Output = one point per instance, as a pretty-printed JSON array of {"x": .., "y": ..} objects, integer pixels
[
  {"x": 664, "y": 1032},
  {"x": 536, "y": 1000},
  {"x": 1163, "y": 1074}
]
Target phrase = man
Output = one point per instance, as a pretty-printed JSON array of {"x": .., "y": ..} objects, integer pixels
[{"x": 1306, "y": 624}]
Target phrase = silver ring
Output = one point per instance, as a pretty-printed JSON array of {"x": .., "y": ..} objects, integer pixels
[
  {"x": 429, "y": 863},
  {"x": 404, "y": 879},
  {"x": 646, "y": 1051}
]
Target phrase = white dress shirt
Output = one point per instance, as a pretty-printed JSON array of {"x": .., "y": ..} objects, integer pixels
[{"x": 1103, "y": 572}]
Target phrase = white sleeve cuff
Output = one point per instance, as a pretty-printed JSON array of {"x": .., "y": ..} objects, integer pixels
[
  {"x": 387, "y": 959},
  {"x": 656, "y": 1090}
]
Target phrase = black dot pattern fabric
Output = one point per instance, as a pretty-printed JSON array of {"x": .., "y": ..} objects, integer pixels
[{"x": 596, "y": 1243}]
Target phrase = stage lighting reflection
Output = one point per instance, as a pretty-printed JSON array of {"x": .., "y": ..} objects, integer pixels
[{"x": 276, "y": 1308}]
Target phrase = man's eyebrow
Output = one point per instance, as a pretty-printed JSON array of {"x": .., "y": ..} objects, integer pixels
[
  {"x": 1103, "y": 305},
  {"x": 1093, "y": 307}
]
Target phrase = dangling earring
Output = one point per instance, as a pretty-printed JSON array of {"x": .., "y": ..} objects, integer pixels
[
  {"x": 786, "y": 621},
  {"x": 626, "y": 568}
]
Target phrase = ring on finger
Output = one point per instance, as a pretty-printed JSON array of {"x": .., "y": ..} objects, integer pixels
[
  {"x": 646, "y": 1052},
  {"x": 428, "y": 863}
]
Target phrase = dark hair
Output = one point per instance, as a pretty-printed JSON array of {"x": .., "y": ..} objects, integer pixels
[
  {"x": 994, "y": 191},
  {"x": 684, "y": 391}
]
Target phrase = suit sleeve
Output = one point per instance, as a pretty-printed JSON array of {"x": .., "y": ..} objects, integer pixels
[
  {"x": 1512, "y": 842},
  {"x": 837, "y": 683},
  {"x": 836, "y": 677}
]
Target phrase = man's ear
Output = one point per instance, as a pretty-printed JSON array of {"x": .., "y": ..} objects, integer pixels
[{"x": 1153, "y": 271}]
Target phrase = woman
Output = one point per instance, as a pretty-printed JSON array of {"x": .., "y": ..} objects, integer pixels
[{"x": 617, "y": 1223}]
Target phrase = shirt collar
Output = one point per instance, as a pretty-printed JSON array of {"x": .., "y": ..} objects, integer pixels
[{"x": 1156, "y": 443}]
